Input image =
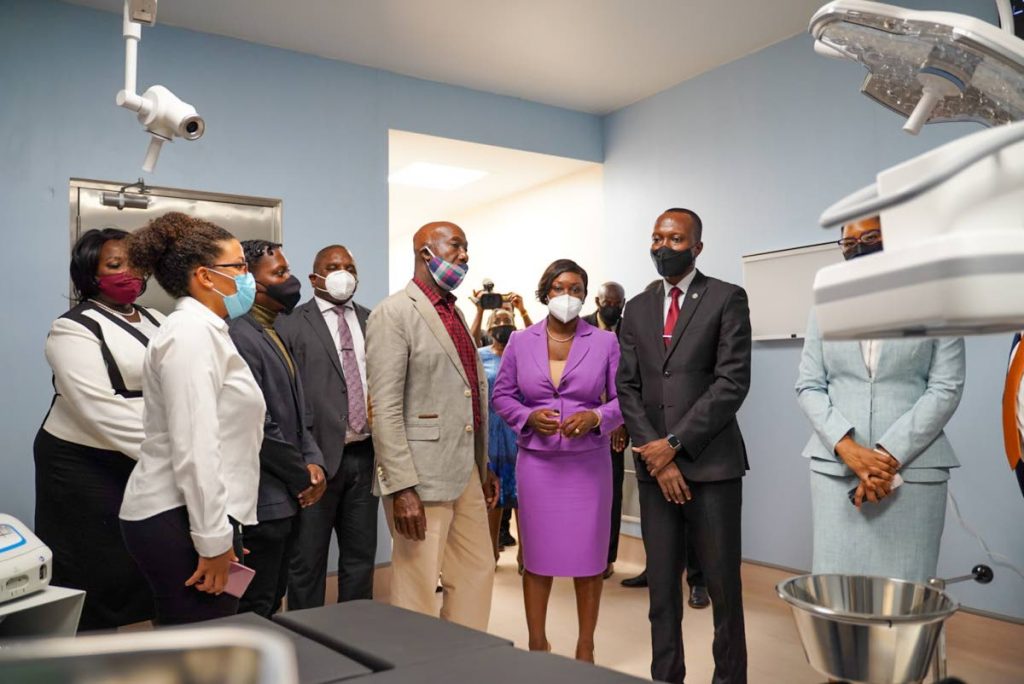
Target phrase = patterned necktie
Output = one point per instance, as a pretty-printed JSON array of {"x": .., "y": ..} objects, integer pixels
[
  {"x": 673, "y": 315},
  {"x": 350, "y": 367}
]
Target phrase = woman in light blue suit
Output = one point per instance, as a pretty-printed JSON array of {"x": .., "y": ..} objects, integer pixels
[{"x": 878, "y": 407}]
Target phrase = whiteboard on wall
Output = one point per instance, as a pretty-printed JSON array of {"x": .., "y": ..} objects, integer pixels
[{"x": 779, "y": 286}]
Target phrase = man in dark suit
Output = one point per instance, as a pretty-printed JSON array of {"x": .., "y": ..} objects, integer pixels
[
  {"x": 683, "y": 375},
  {"x": 327, "y": 337},
  {"x": 610, "y": 300},
  {"x": 291, "y": 465}
]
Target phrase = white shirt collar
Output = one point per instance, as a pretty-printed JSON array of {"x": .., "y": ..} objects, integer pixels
[
  {"x": 683, "y": 284},
  {"x": 193, "y": 305},
  {"x": 326, "y": 306}
]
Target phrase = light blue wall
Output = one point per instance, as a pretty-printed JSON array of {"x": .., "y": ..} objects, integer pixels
[
  {"x": 310, "y": 131},
  {"x": 760, "y": 147}
]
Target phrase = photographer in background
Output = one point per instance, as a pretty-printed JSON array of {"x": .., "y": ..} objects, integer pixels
[{"x": 487, "y": 298}]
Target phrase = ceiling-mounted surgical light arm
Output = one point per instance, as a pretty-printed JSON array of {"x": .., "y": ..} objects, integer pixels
[
  {"x": 867, "y": 202},
  {"x": 159, "y": 110},
  {"x": 1005, "y": 10}
]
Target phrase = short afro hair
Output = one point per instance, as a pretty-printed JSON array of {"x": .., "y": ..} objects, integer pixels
[
  {"x": 698, "y": 225},
  {"x": 172, "y": 246},
  {"x": 257, "y": 249}
]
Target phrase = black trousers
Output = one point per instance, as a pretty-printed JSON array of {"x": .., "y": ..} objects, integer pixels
[
  {"x": 618, "y": 477},
  {"x": 712, "y": 520},
  {"x": 78, "y": 496},
  {"x": 162, "y": 548},
  {"x": 348, "y": 509},
  {"x": 270, "y": 545}
]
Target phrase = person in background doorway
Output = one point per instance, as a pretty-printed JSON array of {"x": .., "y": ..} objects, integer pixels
[
  {"x": 197, "y": 478},
  {"x": 684, "y": 374},
  {"x": 326, "y": 336},
  {"x": 556, "y": 390},
  {"x": 501, "y": 440},
  {"x": 610, "y": 301},
  {"x": 291, "y": 465},
  {"x": 428, "y": 395},
  {"x": 878, "y": 409},
  {"x": 513, "y": 303},
  {"x": 92, "y": 434}
]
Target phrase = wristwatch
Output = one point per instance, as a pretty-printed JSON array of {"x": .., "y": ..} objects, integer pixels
[{"x": 674, "y": 442}]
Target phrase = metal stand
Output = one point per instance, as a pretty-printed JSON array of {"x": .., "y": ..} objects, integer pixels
[{"x": 982, "y": 574}]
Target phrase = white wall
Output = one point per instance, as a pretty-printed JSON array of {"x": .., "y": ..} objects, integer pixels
[{"x": 512, "y": 240}]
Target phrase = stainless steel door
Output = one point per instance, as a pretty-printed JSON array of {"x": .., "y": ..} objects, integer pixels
[{"x": 246, "y": 217}]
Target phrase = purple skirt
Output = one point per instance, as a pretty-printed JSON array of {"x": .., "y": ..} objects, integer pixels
[{"x": 565, "y": 511}]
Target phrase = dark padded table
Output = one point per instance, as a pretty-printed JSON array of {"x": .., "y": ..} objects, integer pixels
[
  {"x": 317, "y": 664},
  {"x": 501, "y": 666},
  {"x": 383, "y": 637}
]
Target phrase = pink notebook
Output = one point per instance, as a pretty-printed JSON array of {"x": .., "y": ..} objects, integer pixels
[{"x": 239, "y": 578}]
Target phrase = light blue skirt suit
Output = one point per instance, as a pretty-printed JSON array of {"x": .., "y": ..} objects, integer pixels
[{"x": 903, "y": 408}]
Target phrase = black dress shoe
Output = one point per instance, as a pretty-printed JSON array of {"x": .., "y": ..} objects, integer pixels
[
  {"x": 638, "y": 582},
  {"x": 699, "y": 597},
  {"x": 506, "y": 539}
]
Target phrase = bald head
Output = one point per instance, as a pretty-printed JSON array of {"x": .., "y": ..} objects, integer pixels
[
  {"x": 331, "y": 253},
  {"x": 442, "y": 239}
]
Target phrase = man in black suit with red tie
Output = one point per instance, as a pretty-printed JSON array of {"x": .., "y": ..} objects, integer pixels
[{"x": 683, "y": 374}]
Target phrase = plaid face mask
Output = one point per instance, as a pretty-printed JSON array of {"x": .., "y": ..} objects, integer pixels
[{"x": 446, "y": 274}]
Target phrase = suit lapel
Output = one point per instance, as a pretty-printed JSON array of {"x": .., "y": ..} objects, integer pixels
[
  {"x": 687, "y": 308},
  {"x": 655, "y": 312},
  {"x": 578, "y": 350},
  {"x": 433, "y": 320},
  {"x": 538, "y": 350},
  {"x": 315, "y": 319}
]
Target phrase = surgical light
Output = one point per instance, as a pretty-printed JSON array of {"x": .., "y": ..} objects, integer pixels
[{"x": 928, "y": 66}]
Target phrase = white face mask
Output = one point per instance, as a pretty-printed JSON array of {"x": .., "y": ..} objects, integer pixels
[
  {"x": 565, "y": 307},
  {"x": 341, "y": 285}
]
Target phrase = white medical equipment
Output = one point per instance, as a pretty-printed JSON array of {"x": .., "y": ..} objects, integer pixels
[
  {"x": 25, "y": 561},
  {"x": 952, "y": 218},
  {"x": 160, "y": 111}
]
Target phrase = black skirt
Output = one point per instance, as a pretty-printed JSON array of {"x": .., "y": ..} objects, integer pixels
[{"x": 78, "y": 497}]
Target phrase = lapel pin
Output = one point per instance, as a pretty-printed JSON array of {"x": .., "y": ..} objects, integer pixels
[{"x": 695, "y": 295}]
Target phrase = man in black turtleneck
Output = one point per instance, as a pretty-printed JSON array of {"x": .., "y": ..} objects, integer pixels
[{"x": 291, "y": 465}]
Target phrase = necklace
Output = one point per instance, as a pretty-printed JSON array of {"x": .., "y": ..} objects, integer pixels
[
  {"x": 114, "y": 311},
  {"x": 560, "y": 339}
]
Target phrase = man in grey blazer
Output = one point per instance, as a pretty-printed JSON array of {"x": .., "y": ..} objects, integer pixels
[
  {"x": 878, "y": 407},
  {"x": 429, "y": 397},
  {"x": 326, "y": 336},
  {"x": 291, "y": 465},
  {"x": 683, "y": 374}
]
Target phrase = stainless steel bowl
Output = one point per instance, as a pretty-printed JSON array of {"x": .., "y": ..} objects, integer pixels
[{"x": 867, "y": 629}]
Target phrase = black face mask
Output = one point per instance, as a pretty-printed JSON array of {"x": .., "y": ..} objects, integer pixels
[
  {"x": 610, "y": 314},
  {"x": 671, "y": 263},
  {"x": 501, "y": 333},
  {"x": 287, "y": 294},
  {"x": 862, "y": 250}
]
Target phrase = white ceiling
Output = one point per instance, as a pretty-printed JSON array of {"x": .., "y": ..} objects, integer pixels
[
  {"x": 591, "y": 55},
  {"x": 508, "y": 172}
]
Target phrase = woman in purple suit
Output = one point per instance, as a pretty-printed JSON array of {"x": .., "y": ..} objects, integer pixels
[{"x": 556, "y": 389}]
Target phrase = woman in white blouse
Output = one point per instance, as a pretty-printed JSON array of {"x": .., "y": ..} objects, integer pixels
[
  {"x": 90, "y": 439},
  {"x": 198, "y": 472}
]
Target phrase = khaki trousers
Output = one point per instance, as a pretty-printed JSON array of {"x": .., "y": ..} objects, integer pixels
[{"x": 458, "y": 549}]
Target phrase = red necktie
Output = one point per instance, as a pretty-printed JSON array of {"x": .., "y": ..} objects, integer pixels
[{"x": 673, "y": 315}]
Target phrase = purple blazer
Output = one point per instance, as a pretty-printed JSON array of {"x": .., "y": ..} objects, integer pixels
[{"x": 524, "y": 385}]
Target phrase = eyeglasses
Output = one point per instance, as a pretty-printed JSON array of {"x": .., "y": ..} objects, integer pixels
[
  {"x": 243, "y": 266},
  {"x": 872, "y": 237}
]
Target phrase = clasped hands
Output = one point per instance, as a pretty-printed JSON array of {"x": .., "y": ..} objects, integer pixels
[
  {"x": 659, "y": 457},
  {"x": 875, "y": 468},
  {"x": 545, "y": 422}
]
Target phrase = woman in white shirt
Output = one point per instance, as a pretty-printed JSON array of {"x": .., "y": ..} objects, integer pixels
[
  {"x": 196, "y": 481},
  {"x": 90, "y": 439}
]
